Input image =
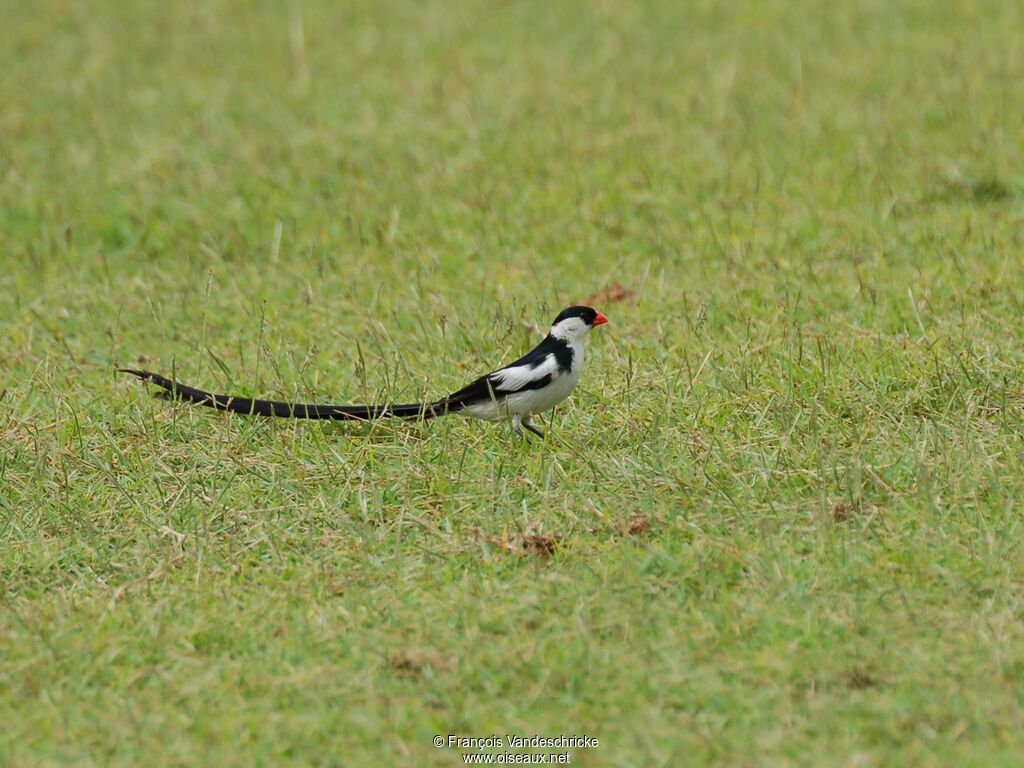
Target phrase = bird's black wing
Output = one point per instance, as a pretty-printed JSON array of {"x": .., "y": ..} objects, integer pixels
[
  {"x": 499, "y": 383},
  {"x": 477, "y": 391}
]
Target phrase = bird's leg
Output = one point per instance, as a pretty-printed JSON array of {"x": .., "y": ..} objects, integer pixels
[
  {"x": 527, "y": 425},
  {"x": 518, "y": 422}
]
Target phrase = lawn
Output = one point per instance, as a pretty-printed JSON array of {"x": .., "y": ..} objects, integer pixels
[{"x": 780, "y": 520}]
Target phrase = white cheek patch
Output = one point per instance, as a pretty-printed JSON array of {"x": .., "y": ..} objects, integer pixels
[{"x": 571, "y": 328}]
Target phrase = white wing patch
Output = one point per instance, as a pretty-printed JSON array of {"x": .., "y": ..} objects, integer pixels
[{"x": 516, "y": 377}]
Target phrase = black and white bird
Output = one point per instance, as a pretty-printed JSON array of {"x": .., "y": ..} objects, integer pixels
[{"x": 536, "y": 382}]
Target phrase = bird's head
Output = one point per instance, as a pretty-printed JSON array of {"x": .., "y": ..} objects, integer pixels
[{"x": 576, "y": 322}]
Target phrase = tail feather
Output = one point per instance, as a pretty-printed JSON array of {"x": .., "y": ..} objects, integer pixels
[{"x": 176, "y": 391}]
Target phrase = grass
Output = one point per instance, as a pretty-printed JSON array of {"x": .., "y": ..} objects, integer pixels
[{"x": 785, "y": 500}]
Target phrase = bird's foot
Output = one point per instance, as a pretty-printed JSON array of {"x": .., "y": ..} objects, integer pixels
[
  {"x": 533, "y": 429},
  {"x": 519, "y": 423}
]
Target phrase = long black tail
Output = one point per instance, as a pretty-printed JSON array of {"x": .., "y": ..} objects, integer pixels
[{"x": 175, "y": 390}]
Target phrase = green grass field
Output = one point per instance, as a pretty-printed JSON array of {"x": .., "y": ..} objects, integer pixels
[{"x": 785, "y": 502}]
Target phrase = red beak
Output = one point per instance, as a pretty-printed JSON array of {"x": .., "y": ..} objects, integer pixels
[{"x": 599, "y": 320}]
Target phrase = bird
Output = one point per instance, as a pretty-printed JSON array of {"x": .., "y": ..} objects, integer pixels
[{"x": 536, "y": 382}]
